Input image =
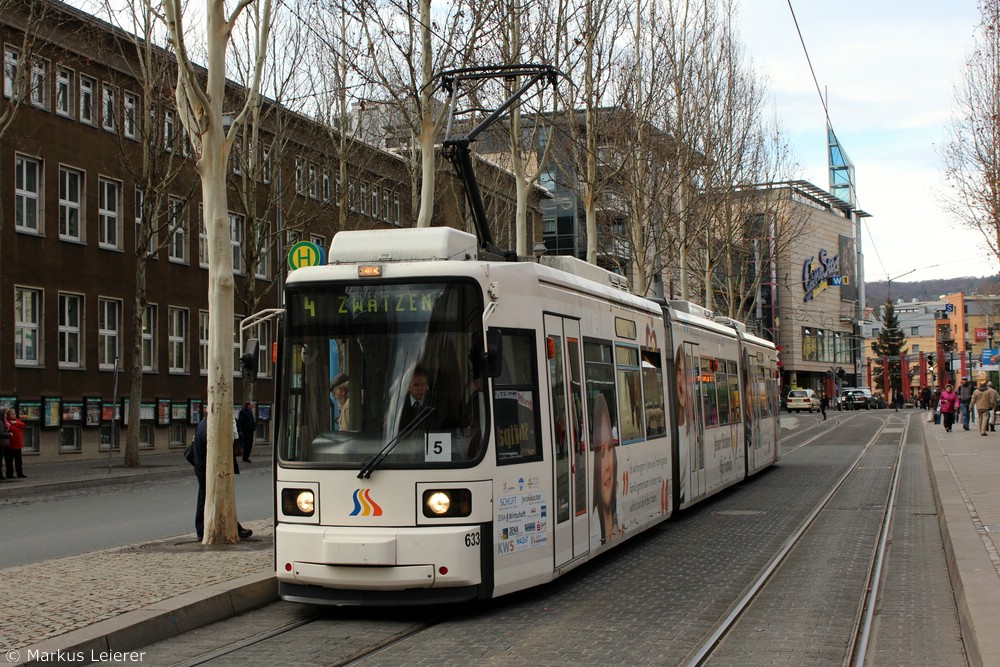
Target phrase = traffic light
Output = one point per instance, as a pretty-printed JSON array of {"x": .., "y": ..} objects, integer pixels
[
  {"x": 930, "y": 359},
  {"x": 250, "y": 359}
]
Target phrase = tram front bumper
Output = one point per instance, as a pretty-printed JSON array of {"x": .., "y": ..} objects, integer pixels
[{"x": 378, "y": 558}]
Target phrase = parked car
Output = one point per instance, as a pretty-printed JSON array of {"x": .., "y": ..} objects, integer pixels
[{"x": 802, "y": 399}]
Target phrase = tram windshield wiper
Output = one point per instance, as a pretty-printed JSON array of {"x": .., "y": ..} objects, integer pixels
[{"x": 369, "y": 467}]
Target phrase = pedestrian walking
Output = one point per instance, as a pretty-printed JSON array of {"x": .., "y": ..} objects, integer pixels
[
  {"x": 984, "y": 399},
  {"x": 200, "y": 469},
  {"x": 246, "y": 424},
  {"x": 5, "y": 437},
  {"x": 824, "y": 403},
  {"x": 964, "y": 392},
  {"x": 925, "y": 398},
  {"x": 948, "y": 405},
  {"x": 12, "y": 456}
]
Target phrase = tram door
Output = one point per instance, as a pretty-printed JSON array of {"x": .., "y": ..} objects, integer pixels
[
  {"x": 564, "y": 356},
  {"x": 694, "y": 435}
]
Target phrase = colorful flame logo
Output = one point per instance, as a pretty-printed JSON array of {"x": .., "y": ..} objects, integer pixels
[{"x": 364, "y": 505}]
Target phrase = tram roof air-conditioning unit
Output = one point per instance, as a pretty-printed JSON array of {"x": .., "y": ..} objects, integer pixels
[
  {"x": 402, "y": 245},
  {"x": 578, "y": 267},
  {"x": 692, "y": 309}
]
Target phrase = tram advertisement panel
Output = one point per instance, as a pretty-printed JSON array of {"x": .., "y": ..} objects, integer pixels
[{"x": 522, "y": 516}]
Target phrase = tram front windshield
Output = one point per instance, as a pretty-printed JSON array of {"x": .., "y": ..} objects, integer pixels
[{"x": 372, "y": 368}]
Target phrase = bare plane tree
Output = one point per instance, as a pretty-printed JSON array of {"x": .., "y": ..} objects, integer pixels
[
  {"x": 200, "y": 97},
  {"x": 971, "y": 154},
  {"x": 156, "y": 165}
]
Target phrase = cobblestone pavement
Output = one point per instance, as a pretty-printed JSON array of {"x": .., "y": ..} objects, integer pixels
[
  {"x": 58, "y": 596},
  {"x": 84, "y": 600}
]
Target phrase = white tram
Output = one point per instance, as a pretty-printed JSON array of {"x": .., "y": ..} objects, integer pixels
[{"x": 493, "y": 424}]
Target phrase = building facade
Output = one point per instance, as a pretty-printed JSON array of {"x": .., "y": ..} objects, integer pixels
[{"x": 103, "y": 266}]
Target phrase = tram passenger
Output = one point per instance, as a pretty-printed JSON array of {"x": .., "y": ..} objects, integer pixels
[
  {"x": 416, "y": 399},
  {"x": 604, "y": 522},
  {"x": 340, "y": 387}
]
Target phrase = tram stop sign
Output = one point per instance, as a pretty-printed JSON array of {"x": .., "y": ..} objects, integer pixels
[{"x": 305, "y": 253}]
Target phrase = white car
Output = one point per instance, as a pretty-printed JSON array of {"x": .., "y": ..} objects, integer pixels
[{"x": 802, "y": 399}]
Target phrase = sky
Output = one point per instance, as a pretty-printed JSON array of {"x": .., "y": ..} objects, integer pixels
[{"x": 888, "y": 69}]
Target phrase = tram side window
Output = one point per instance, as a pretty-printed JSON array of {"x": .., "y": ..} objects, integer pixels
[
  {"x": 722, "y": 393},
  {"x": 734, "y": 392},
  {"x": 515, "y": 399},
  {"x": 630, "y": 424},
  {"x": 652, "y": 391},
  {"x": 706, "y": 381},
  {"x": 600, "y": 375}
]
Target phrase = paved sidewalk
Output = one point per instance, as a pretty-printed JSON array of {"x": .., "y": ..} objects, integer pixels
[
  {"x": 126, "y": 597},
  {"x": 129, "y": 597},
  {"x": 965, "y": 468}
]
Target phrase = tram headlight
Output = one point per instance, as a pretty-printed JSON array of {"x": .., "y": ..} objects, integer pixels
[
  {"x": 298, "y": 502},
  {"x": 447, "y": 503}
]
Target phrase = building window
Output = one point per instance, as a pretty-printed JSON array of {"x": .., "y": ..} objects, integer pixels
[
  {"x": 265, "y": 172},
  {"x": 70, "y": 203},
  {"x": 142, "y": 230},
  {"x": 318, "y": 239},
  {"x": 376, "y": 209},
  {"x": 149, "y": 338},
  {"x": 147, "y": 436},
  {"x": 178, "y": 434},
  {"x": 10, "y": 59},
  {"x": 64, "y": 91},
  {"x": 129, "y": 121},
  {"x": 203, "y": 341},
  {"x": 27, "y": 326},
  {"x": 326, "y": 187},
  {"x": 31, "y": 438},
  {"x": 386, "y": 204},
  {"x": 108, "y": 441},
  {"x": 168, "y": 130},
  {"x": 107, "y": 213},
  {"x": 87, "y": 86},
  {"x": 397, "y": 210},
  {"x": 262, "y": 331},
  {"x": 914, "y": 331},
  {"x": 70, "y": 330},
  {"x": 300, "y": 186},
  {"x": 40, "y": 83},
  {"x": 177, "y": 231},
  {"x": 109, "y": 107},
  {"x": 27, "y": 185},
  {"x": 177, "y": 339},
  {"x": 108, "y": 326},
  {"x": 363, "y": 196},
  {"x": 263, "y": 249},
  {"x": 69, "y": 438},
  {"x": 313, "y": 185},
  {"x": 236, "y": 239}
]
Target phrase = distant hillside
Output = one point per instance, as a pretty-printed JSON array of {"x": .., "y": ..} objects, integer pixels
[{"x": 929, "y": 290}]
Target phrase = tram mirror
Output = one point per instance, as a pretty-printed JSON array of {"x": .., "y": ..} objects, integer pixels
[{"x": 494, "y": 354}]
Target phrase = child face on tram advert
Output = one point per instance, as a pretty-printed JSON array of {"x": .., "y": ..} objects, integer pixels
[{"x": 605, "y": 472}]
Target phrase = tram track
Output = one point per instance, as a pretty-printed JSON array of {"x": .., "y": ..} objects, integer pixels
[
  {"x": 857, "y": 643},
  {"x": 249, "y": 646}
]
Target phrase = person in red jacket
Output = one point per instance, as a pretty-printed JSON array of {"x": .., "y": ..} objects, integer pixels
[{"x": 12, "y": 456}]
